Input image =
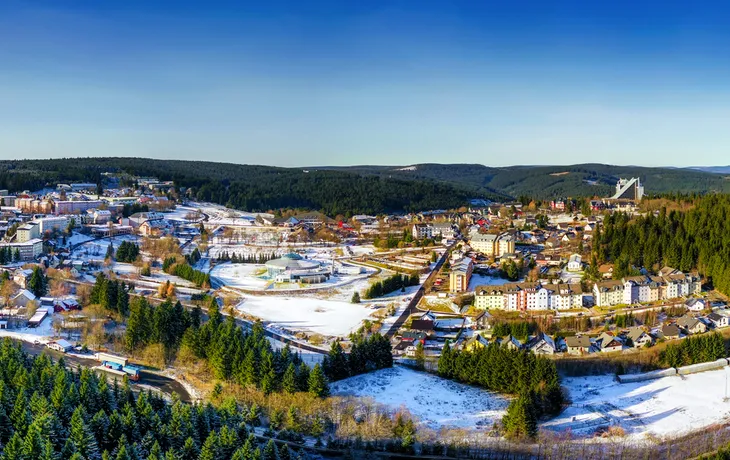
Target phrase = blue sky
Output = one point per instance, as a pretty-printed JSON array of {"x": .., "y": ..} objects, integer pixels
[{"x": 336, "y": 82}]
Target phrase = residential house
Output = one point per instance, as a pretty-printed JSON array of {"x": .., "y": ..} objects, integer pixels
[
  {"x": 475, "y": 342},
  {"x": 513, "y": 343},
  {"x": 578, "y": 345},
  {"x": 691, "y": 325},
  {"x": 670, "y": 331},
  {"x": 695, "y": 305},
  {"x": 542, "y": 344},
  {"x": 639, "y": 337},
  {"x": 718, "y": 320},
  {"x": 23, "y": 298},
  {"x": 22, "y": 276},
  {"x": 608, "y": 343},
  {"x": 606, "y": 271},
  {"x": 575, "y": 263}
]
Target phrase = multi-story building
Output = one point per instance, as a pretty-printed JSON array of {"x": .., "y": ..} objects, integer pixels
[
  {"x": 48, "y": 224},
  {"x": 607, "y": 293},
  {"x": 28, "y": 250},
  {"x": 422, "y": 231},
  {"x": 76, "y": 207},
  {"x": 489, "y": 297},
  {"x": 492, "y": 245},
  {"x": 460, "y": 275},
  {"x": 646, "y": 289},
  {"x": 27, "y": 232},
  {"x": 444, "y": 229}
]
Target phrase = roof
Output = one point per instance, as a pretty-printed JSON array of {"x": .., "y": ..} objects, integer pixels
[
  {"x": 687, "y": 321},
  {"x": 670, "y": 330},
  {"x": 578, "y": 341},
  {"x": 635, "y": 332},
  {"x": 607, "y": 340},
  {"x": 25, "y": 293}
]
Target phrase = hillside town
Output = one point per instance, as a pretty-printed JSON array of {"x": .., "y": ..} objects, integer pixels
[{"x": 520, "y": 276}]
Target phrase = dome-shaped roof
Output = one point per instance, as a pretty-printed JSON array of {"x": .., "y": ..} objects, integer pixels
[
  {"x": 286, "y": 263},
  {"x": 292, "y": 256}
]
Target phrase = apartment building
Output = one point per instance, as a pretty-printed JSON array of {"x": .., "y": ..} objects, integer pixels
[
  {"x": 645, "y": 289},
  {"x": 460, "y": 275}
]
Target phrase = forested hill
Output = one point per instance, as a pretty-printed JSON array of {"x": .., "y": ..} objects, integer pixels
[
  {"x": 250, "y": 187},
  {"x": 361, "y": 189},
  {"x": 553, "y": 181}
]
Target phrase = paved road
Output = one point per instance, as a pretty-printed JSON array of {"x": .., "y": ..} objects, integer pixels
[
  {"x": 163, "y": 383},
  {"x": 417, "y": 296}
]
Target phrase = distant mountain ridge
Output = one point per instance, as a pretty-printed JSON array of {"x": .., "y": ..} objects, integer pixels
[
  {"x": 591, "y": 179},
  {"x": 712, "y": 169}
]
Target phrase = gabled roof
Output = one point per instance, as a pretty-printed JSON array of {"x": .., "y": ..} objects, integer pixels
[
  {"x": 687, "y": 322},
  {"x": 670, "y": 330},
  {"x": 578, "y": 341},
  {"x": 634, "y": 333}
]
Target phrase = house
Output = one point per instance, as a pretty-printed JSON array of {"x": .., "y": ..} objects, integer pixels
[
  {"x": 413, "y": 336},
  {"x": 695, "y": 305},
  {"x": 575, "y": 263},
  {"x": 718, "y": 320},
  {"x": 60, "y": 345},
  {"x": 609, "y": 343},
  {"x": 23, "y": 298},
  {"x": 670, "y": 331},
  {"x": 424, "y": 325},
  {"x": 476, "y": 342},
  {"x": 639, "y": 337},
  {"x": 606, "y": 271},
  {"x": 513, "y": 343},
  {"x": 22, "y": 276},
  {"x": 542, "y": 344},
  {"x": 691, "y": 325},
  {"x": 578, "y": 345}
]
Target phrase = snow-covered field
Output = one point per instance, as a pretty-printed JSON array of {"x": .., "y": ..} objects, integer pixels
[
  {"x": 326, "y": 317},
  {"x": 665, "y": 407},
  {"x": 485, "y": 280},
  {"x": 436, "y": 402},
  {"x": 239, "y": 275}
]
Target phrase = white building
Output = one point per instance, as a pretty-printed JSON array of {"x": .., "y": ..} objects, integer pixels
[{"x": 575, "y": 263}]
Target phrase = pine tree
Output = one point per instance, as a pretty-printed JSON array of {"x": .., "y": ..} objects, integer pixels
[
  {"x": 82, "y": 437},
  {"x": 355, "y": 297},
  {"x": 13, "y": 450},
  {"x": 270, "y": 451},
  {"x": 289, "y": 381},
  {"x": 318, "y": 382},
  {"x": 210, "y": 449}
]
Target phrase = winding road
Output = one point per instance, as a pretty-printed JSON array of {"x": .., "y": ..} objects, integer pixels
[{"x": 164, "y": 384}]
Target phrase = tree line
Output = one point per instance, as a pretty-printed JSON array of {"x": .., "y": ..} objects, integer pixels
[
  {"x": 48, "y": 412},
  {"x": 8, "y": 255},
  {"x": 693, "y": 350},
  {"x": 233, "y": 354},
  {"x": 698, "y": 238},
  {"x": 366, "y": 355},
  {"x": 111, "y": 294},
  {"x": 127, "y": 252},
  {"x": 258, "y": 258},
  {"x": 173, "y": 266},
  {"x": 497, "y": 368},
  {"x": 390, "y": 284}
]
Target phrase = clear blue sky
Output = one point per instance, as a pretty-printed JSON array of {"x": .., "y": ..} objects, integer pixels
[{"x": 367, "y": 82}]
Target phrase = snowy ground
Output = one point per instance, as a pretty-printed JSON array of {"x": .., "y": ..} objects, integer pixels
[
  {"x": 436, "y": 402},
  {"x": 665, "y": 407},
  {"x": 239, "y": 275},
  {"x": 326, "y": 317},
  {"x": 43, "y": 333},
  {"x": 485, "y": 280}
]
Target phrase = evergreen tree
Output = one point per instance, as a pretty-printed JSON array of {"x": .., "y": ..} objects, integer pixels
[
  {"x": 81, "y": 436},
  {"x": 289, "y": 382},
  {"x": 318, "y": 382}
]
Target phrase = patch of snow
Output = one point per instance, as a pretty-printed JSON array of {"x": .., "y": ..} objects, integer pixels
[
  {"x": 326, "y": 317},
  {"x": 669, "y": 406},
  {"x": 436, "y": 402}
]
